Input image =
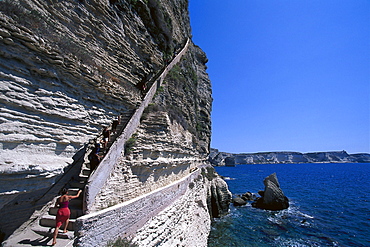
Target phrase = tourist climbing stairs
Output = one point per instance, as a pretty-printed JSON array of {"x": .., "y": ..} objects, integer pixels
[
  {"x": 38, "y": 230},
  {"x": 47, "y": 222},
  {"x": 41, "y": 226},
  {"x": 125, "y": 118}
]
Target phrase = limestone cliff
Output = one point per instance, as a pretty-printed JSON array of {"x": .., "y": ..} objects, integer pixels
[
  {"x": 221, "y": 158},
  {"x": 67, "y": 68}
]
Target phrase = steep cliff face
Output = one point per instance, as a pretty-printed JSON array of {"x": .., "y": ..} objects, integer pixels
[
  {"x": 67, "y": 68},
  {"x": 173, "y": 136},
  {"x": 187, "y": 221}
]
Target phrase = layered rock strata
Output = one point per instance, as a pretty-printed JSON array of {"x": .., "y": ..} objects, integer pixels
[
  {"x": 67, "y": 68},
  {"x": 190, "y": 221},
  {"x": 166, "y": 146},
  {"x": 175, "y": 214}
]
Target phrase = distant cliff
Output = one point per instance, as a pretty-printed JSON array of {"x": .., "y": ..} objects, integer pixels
[{"x": 221, "y": 158}]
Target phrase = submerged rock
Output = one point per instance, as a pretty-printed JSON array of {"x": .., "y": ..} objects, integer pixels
[
  {"x": 248, "y": 196},
  {"x": 272, "y": 197},
  {"x": 238, "y": 201}
]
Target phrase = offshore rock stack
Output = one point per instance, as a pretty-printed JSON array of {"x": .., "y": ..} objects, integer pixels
[{"x": 272, "y": 198}]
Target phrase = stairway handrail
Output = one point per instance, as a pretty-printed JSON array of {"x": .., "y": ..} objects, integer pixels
[{"x": 99, "y": 177}]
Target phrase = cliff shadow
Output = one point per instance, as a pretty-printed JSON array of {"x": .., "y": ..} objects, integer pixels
[
  {"x": 18, "y": 211},
  {"x": 144, "y": 172},
  {"x": 10, "y": 145}
]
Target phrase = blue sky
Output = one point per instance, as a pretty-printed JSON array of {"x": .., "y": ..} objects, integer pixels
[{"x": 287, "y": 75}]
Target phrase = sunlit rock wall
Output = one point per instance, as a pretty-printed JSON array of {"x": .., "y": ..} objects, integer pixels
[
  {"x": 68, "y": 67},
  {"x": 173, "y": 136}
]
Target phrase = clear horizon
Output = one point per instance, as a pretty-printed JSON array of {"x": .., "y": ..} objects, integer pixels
[
  {"x": 287, "y": 151},
  {"x": 287, "y": 75}
]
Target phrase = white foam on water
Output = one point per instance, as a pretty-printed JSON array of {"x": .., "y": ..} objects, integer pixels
[{"x": 280, "y": 241}]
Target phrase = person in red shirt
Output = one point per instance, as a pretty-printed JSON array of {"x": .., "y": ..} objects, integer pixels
[{"x": 63, "y": 213}]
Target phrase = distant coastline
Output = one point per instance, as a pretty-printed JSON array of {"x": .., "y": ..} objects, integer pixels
[{"x": 218, "y": 158}]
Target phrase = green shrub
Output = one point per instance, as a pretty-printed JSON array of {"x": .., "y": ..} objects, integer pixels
[
  {"x": 130, "y": 143},
  {"x": 121, "y": 242}
]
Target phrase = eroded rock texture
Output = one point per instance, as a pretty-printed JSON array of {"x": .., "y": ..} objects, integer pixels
[
  {"x": 67, "y": 68},
  {"x": 173, "y": 136},
  {"x": 187, "y": 221}
]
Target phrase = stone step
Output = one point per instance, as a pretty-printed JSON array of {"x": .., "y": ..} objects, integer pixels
[
  {"x": 49, "y": 221},
  {"x": 75, "y": 213},
  {"x": 49, "y": 231},
  {"x": 127, "y": 114},
  {"x": 40, "y": 236},
  {"x": 83, "y": 178},
  {"x": 85, "y": 171},
  {"x": 73, "y": 191},
  {"x": 77, "y": 184}
]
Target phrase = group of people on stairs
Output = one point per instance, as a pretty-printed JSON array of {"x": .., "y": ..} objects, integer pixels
[
  {"x": 94, "y": 156},
  {"x": 64, "y": 213}
]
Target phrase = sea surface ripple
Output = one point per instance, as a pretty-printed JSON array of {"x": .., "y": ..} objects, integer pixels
[{"x": 329, "y": 206}]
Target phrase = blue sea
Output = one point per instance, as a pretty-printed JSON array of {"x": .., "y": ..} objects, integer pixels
[{"x": 329, "y": 206}]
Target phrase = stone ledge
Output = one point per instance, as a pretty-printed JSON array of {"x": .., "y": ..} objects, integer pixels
[{"x": 98, "y": 228}]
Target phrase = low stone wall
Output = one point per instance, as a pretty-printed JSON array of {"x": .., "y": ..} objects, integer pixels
[
  {"x": 101, "y": 174},
  {"x": 124, "y": 219}
]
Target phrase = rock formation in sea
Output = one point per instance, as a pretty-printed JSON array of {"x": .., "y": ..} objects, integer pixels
[
  {"x": 67, "y": 69},
  {"x": 241, "y": 200},
  {"x": 218, "y": 158},
  {"x": 238, "y": 201},
  {"x": 272, "y": 198}
]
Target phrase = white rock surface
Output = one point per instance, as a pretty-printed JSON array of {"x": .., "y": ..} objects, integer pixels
[
  {"x": 73, "y": 66},
  {"x": 185, "y": 223}
]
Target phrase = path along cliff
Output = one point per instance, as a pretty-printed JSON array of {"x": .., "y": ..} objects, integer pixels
[{"x": 67, "y": 72}]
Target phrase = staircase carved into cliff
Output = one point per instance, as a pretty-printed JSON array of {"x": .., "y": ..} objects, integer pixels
[
  {"x": 41, "y": 225},
  {"x": 38, "y": 230},
  {"x": 47, "y": 222}
]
